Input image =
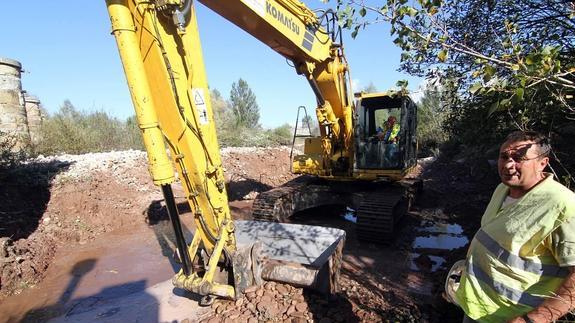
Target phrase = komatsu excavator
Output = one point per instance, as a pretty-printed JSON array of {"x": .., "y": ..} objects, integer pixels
[{"x": 161, "y": 54}]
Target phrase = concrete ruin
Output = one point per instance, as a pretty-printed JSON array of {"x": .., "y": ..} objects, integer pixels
[{"x": 20, "y": 113}]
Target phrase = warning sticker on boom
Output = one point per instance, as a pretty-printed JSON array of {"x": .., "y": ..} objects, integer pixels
[
  {"x": 258, "y": 6},
  {"x": 200, "y": 103}
]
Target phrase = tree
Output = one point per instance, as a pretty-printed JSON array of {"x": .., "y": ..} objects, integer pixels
[
  {"x": 503, "y": 64},
  {"x": 505, "y": 47},
  {"x": 308, "y": 120},
  {"x": 370, "y": 88},
  {"x": 431, "y": 117},
  {"x": 244, "y": 105}
]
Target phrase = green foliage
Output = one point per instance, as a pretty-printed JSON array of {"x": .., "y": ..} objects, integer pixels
[
  {"x": 370, "y": 88},
  {"x": 244, "y": 105},
  {"x": 232, "y": 133},
  {"x": 76, "y": 132},
  {"x": 431, "y": 118},
  {"x": 308, "y": 121},
  {"x": 9, "y": 156},
  {"x": 503, "y": 65}
]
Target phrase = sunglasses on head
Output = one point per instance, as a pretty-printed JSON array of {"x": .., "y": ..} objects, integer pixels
[{"x": 519, "y": 154}]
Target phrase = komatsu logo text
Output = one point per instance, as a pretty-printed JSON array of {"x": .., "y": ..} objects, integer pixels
[{"x": 279, "y": 16}]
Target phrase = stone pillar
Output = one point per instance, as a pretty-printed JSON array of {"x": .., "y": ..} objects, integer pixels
[
  {"x": 13, "y": 119},
  {"x": 34, "y": 117}
]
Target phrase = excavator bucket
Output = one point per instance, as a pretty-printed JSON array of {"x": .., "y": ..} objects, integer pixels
[{"x": 301, "y": 255}]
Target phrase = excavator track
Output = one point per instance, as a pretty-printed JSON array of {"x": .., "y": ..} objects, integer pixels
[
  {"x": 378, "y": 214},
  {"x": 276, "y": 205},
  {"x": 378, "y": 209}
]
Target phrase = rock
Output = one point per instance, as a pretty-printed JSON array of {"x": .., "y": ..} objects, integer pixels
[
  {"x": 252, "y": 320},
  {"x": 269, "y": 294},
  {"x": 234, "y": 314},
  {"x": 423, "y": 262},
  {"x": 290, "y": 310},
  {"x": 273, "y": 310},
  {"x": 298, "y": 314},
  {"x": 269, "y": 285},
  {"x": 251, "y": 307},
  {"x": 282, "y": 290},
  {"x": 301, "y": 307},
  {"x": 251, "y": 296},
  {"x": 298, "y": 298},
  {"x": 220, "y": 309},
  {"x": 46, "y": 221},
  {"x": 260, "y": 292},
  {"x": 266, "y": 298},
  {"x": 239, "y": 302},
  {"x": 263, "y": 305},
  {"x": 251, "y": 289},
  {"x": 250, "y": 196}
]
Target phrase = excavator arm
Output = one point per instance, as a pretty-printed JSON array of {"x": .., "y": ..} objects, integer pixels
[
  {"x": 295, "y": 32},
  {"x": 160, "y": 49}
]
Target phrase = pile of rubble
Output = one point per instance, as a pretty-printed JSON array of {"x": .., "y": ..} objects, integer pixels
[{"x": 279, "y": 302}]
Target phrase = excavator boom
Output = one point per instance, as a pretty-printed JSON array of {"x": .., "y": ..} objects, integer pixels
[{"x": 160, "y": 50}]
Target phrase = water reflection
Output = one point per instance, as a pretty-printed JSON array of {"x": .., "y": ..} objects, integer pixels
[{"x": 434, "y": 239}]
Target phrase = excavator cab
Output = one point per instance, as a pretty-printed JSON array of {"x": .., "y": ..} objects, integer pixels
[{"x": 385, "y": 135}]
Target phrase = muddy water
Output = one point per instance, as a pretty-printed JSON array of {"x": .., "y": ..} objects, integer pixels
[
  {"x": 115, "y": 264},
  {"x": 432, "y": 241}
]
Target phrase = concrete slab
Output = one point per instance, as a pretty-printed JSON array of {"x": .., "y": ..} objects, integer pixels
[{"x": 304, "y": 244}]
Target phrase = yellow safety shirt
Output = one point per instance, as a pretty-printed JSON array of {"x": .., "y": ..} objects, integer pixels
[{"x": 517, "y": 257}]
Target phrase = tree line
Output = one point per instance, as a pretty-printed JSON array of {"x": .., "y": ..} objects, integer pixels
[{"x": 74, "y": 131}]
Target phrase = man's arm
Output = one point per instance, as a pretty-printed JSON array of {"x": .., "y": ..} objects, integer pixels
[{"x": 556, "y": 306}]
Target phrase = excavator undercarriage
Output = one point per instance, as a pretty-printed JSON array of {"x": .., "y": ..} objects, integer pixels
[{"x": 379, "y": 206}]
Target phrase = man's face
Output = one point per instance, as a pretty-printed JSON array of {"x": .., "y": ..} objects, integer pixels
[{"x": 520, "y": 165}]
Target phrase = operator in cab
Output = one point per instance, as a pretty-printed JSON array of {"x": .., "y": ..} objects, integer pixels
[
  {"x": 390, "y": 130},
  {"x": 388, "y": 135}
]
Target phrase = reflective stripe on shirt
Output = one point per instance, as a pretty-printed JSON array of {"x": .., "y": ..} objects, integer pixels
[
  {"x": 512, "y": 294},
  {"x": 518, "y": 262}
]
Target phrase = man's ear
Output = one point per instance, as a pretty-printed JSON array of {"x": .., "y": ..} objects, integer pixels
[{"x": 543, "y": 163}]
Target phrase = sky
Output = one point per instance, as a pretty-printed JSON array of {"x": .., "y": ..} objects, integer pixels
[{"x": 67, "y": 52}]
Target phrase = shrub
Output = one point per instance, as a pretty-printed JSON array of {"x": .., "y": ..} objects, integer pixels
[
  {"x": 76, "y": 132},
  {"x": 9, "y": 157}
]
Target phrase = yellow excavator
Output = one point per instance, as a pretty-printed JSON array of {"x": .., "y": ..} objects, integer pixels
[{"x": 160, "y": 49}]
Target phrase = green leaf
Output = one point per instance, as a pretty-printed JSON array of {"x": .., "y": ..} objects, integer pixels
[
  {"x": 494, "y": 107},
  {"x": 519, "y": 92},
  {"x": 412, "y": 12},
  {"x": 402, "y": 83},
  {"x": 475, "y": 87},
  {"x": 384, "y": 10},
  {"x": 362, "y": 12},
  {"x": 488, "y": 72},
  {"x": 442, "y": 55},
  {"x": 515, "y": 67}
]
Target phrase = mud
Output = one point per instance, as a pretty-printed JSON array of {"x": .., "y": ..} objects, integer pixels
[{"x": 103, "y": 233}]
